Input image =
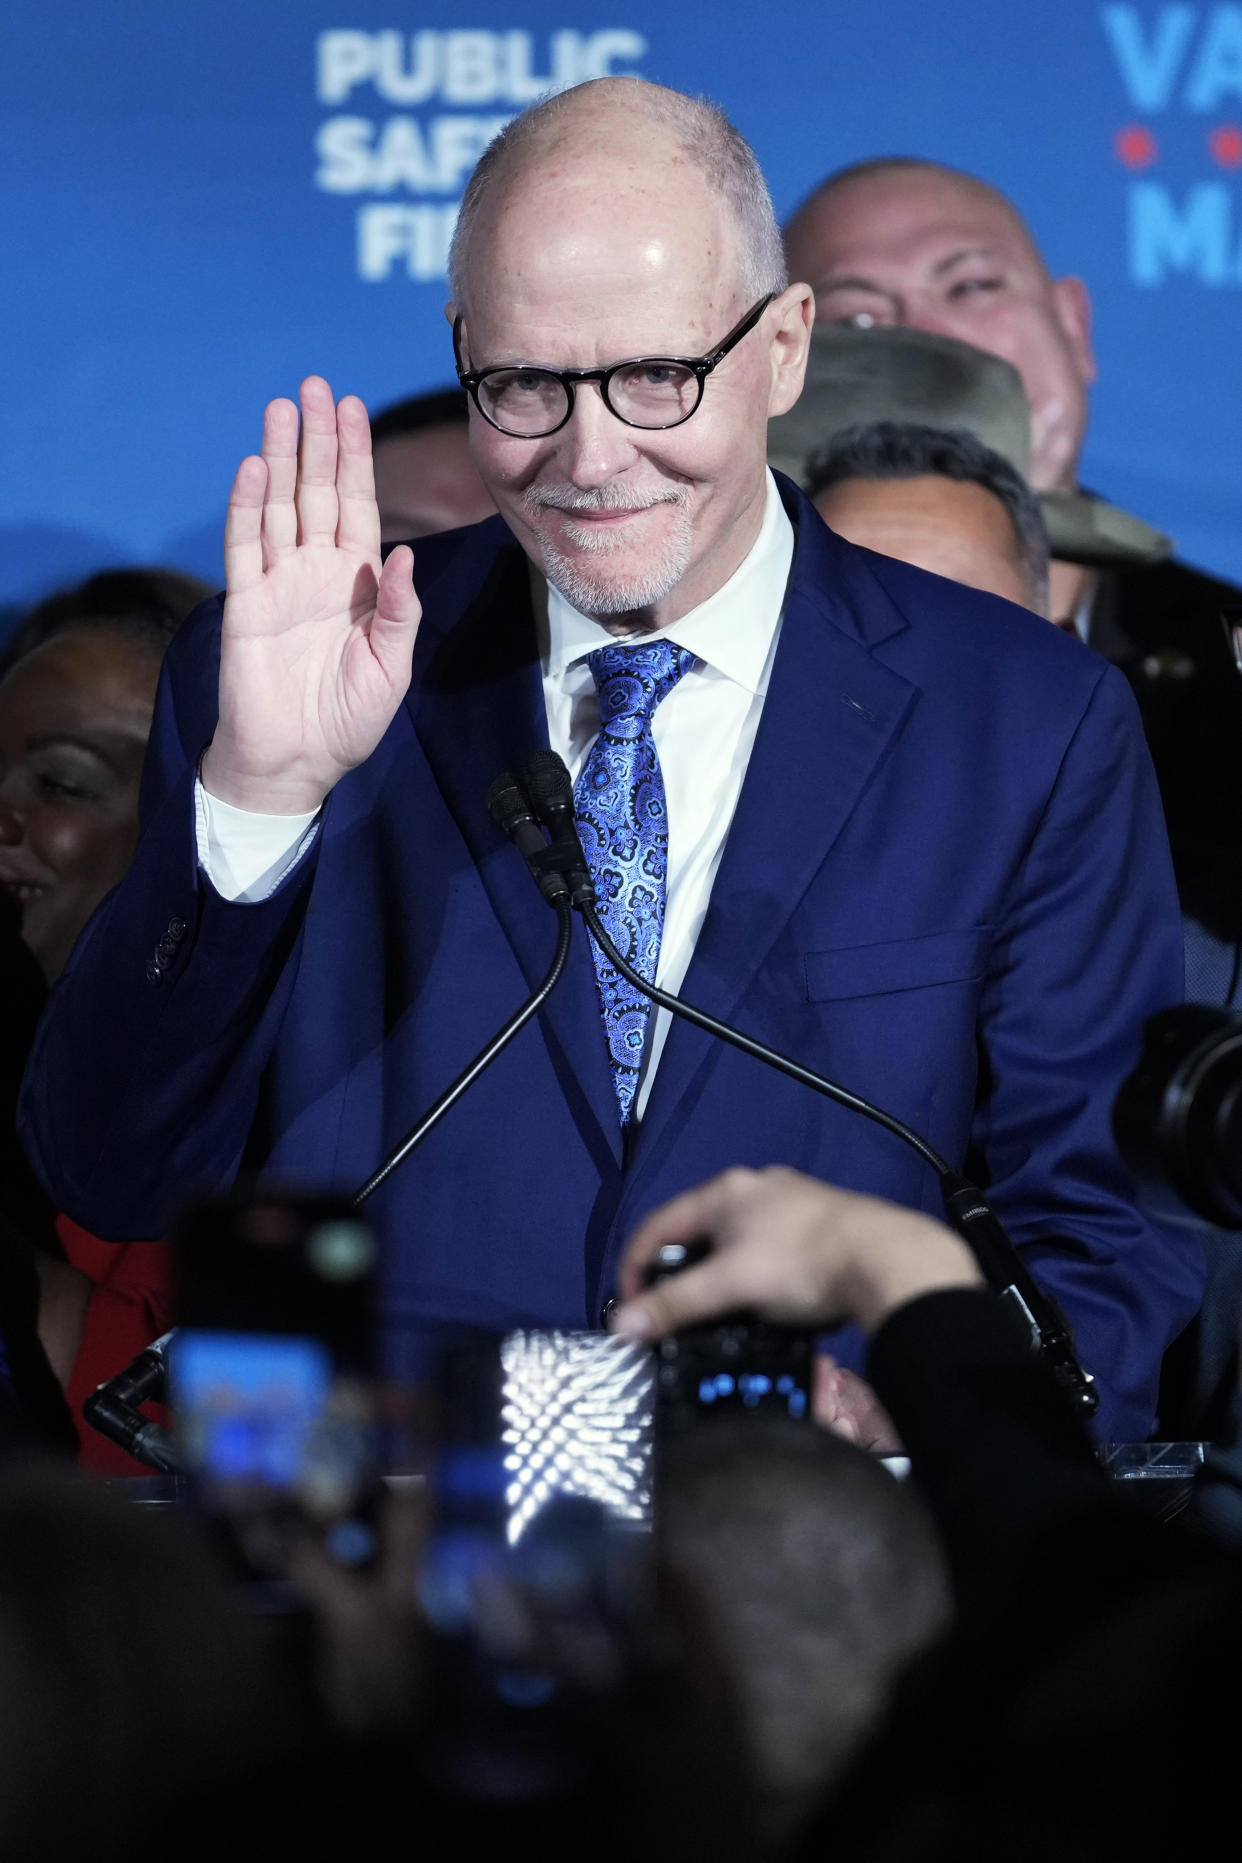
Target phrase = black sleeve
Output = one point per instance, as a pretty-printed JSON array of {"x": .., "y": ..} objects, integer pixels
[
  {"x": 994, "y": 1444},
  {"x": 1095, "y": 1653}
]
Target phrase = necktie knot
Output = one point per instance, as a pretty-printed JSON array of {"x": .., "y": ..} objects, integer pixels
[{"x": 631, "y": 681}]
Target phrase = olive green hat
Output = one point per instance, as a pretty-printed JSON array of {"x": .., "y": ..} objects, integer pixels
[{"x": 856, "y": 376}]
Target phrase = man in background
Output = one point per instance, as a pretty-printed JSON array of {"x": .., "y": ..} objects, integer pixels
[
  {"x": 939, "y": 499},
  {"x": 425, "y": 477},
  {"x": 816, "y": 1576}
]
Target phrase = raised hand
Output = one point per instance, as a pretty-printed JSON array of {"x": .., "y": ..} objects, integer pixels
[{"x": 317, "y": 641}]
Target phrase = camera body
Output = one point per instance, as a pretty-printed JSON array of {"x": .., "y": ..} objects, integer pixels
[
  {"x": 737, "y": 1365},
  {"x": 1178, "y": 1117}
]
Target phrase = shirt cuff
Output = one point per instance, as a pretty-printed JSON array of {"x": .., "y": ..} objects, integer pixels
[{"x": 245, "y": 855}]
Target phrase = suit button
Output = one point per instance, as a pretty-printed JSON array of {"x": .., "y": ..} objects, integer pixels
[
  {"x": 155, "y": 971},
  {"x": 176, "y": 930},
  {"x": 607, "y": 1310}
]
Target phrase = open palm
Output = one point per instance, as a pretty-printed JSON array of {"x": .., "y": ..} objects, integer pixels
[{"x": 318, "y": 637}]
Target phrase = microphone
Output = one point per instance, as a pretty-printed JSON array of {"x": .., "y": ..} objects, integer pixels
[
  {"x": 511, "y": 811},
  {"x": 966, "y": 1208},
  {"x": 551, "y": 793}
]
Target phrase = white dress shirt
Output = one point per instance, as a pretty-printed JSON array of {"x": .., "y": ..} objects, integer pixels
[{"x": 704, "y": 731}]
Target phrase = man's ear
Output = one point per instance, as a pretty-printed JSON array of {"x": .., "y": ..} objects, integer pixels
[
  {"x": 1072, "y": 302},
  {"x": 791, "y": 346},
  {"x": 450, "y": 313}
]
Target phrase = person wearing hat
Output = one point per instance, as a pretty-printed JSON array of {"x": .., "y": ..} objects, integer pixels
[
  {"x": 904, "y": 242},
  {"x": 939, "y": 498},
  {"x": 889, "y": 421}
]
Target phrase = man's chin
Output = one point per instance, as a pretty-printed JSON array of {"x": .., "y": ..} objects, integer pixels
[{"x": 612, "y": 586}]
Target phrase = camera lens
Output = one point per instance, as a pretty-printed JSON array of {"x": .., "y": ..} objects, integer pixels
[{"x": 1178, "y": 1118}]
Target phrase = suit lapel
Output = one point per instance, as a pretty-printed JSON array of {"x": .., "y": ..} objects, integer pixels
[
  {"x": 479, "y": 710},
  {"x": 831, "y": 712}
]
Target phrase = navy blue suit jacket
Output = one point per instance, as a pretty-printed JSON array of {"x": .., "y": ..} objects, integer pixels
[{"x": 946, "y": 885}]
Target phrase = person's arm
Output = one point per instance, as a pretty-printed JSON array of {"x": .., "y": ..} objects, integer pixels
[
  {"x": 244, "y": 854},
  {"x": 995, "y": 1445},
  {"x": 145, "y": 1075},
  {"x": 727, "y": 1208},
  {"x": 1087, "y": 946}
]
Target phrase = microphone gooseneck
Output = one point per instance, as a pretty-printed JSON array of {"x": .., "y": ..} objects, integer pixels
[
  {"x": 510, "y": 809},
  {"x": 966, "y": 1208},
  {"x": 481, "y": 1062},
  {"x": 759, "y": 1051}
]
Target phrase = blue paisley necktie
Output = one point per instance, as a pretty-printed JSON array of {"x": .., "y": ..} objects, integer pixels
[{"x": 623, "y": 820}]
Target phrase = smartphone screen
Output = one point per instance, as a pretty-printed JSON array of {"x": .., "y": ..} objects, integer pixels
[
  {"x": 542, "y": 1466},
  {"x": 269, "y": 1413},
  {"x": 575, "y": 1420},
  {"x": 727, "y": 1366}
]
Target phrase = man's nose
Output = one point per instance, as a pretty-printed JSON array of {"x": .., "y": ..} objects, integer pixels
[{"x": 594, "y": 444}]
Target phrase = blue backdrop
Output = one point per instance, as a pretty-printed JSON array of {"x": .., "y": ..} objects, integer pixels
[{"x": 202, "y": 205}]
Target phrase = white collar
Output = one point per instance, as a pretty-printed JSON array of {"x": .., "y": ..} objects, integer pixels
[{"x": 731, "y": 631}]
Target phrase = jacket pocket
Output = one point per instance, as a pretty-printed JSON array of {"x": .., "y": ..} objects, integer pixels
[{"x": 903, "y": 964}]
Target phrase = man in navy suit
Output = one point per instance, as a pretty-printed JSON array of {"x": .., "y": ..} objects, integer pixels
[{"x": 895, "y": 827}]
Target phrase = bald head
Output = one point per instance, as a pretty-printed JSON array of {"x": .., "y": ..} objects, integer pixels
[
  {"x": 630, "y": 130},
  {"x": 901, "y": 241},
  {"x": 900, "y": 174},
  {"x": 593, "y": 212}
]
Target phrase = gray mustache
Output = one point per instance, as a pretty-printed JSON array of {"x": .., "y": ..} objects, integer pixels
[{"x": 606, "y": 498}]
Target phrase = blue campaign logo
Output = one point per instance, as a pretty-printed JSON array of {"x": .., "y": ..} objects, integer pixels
[{"x": 1181, "y": 70}]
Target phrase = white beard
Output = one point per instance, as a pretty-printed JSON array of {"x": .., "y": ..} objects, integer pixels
[{"x": 597, "y": 591}]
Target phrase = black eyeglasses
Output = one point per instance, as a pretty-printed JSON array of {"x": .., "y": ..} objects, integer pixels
[{"x": 654, "y": 392}]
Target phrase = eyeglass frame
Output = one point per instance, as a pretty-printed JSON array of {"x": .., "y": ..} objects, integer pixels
[{"x": 700, "y": 366}]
